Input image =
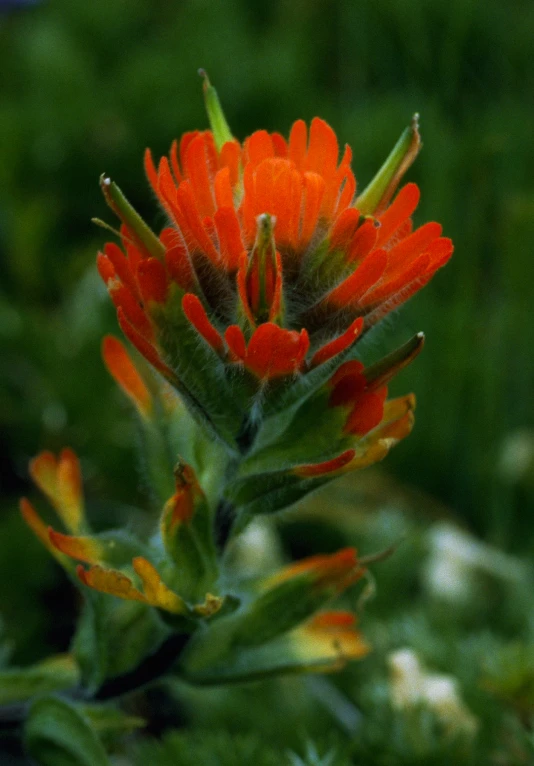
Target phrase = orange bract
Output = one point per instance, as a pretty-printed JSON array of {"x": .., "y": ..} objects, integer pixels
[{"x": 268, "y": 257}]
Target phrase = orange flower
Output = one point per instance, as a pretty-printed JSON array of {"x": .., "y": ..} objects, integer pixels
[{"x": 269, "y": 245}]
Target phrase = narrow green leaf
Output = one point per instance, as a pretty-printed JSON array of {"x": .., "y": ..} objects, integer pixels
[
  {"x": 129, "y": 216},
  {"x": 376, "y": 196},
  {"x": 220, "y": 128}
]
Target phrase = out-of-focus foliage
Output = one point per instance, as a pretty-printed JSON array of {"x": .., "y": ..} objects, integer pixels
[{"x": 84, "y": 87}]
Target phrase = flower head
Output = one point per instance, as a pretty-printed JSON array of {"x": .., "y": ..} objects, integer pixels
[
  {"x": 251, "y": 302},
  {"x": 271, "y": 262}
]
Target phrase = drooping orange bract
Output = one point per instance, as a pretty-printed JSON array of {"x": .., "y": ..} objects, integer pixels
[{"x": 268, "y": 257}]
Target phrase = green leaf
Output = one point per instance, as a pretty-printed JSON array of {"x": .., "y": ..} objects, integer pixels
[
  {"x": 109, "y": 720},
  {"x": 114, "y": 636},
  {"x": 279, "y": 656},
  {"x": 377, "y": 194},
  {"x": 271, "y": 492},
  {"x": 131, "y": 218},
  {"x": 53, "y": 674},
  {"x": 58, "y": 734},
  {"x": 220, "y": 128},
  {"x": 311, "y": 433}
]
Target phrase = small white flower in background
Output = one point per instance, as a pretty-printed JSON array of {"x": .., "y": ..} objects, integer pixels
[
  {"x": 516, "y": 461},
  {"x": 411, "y": 685},
  {"x": 457, "y": 560},
  {"x": 257, "y": 549}
]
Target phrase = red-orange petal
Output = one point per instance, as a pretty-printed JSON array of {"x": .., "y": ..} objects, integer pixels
[
  {"x": 363, "y": 242},
  {"x": 152, "y": 280},
  {"x": 409, "y": 248},
  {"x": 314, "y": 189},
  {"x": 236, "y": 343},
  {"x": 122, "y": 266},
  {"x": 191, "y": 224},
  {"x": 276, "y": 304},
  {"x": 323, "y": 149},
  {"x": 274, "y": 352},
  {"x": 242, "y": 291},
  {"x": 367, "y": 412},
  {"x": 328, "y": 466},
  {"x": 105, "y": 268},
  {"x": 366, "y": 275},
  {"x": 344, "y": 229},
  {"x": 179, "y": 266},
  {"x": 339, "y": 344},
  {"x": 387, "y": 287},
  {"x": 400, "y": 209},
  {"x": 224, "y": 196},
  {"x": 258, "y": 147},
  {"x": 144, "y": 347},
  {"x": 229, "y": 234},
  {"x": 279, "y": 145},
  {"x": 123, "y": 298},
  {"x": 196, "y": 314},
  {"x": 229, "y": 157},
  {"x": 175, "y": 163},
  {"x": 298, "y": 138},
  {"x": 197, "y": 171},
  {"x": 85, "y": 549},
  {"x": 124, "y": 372},
  {"x": 150, "y": 170},
  {"x": 347, "y": 390}
]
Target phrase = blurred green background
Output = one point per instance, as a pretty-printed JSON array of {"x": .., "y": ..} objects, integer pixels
[{"x": 84, "y": 87}]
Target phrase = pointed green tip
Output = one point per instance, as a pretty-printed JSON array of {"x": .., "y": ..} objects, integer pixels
[
  {"x": 376, "y": 196},
  {"x": 380, "y": 373},
  {"x": 220, "y": 128},
  {"x": 142, "y": 233}
]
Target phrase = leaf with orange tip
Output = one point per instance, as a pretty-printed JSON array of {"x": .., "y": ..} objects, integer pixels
[
  {"x": 86, "y": 549},
  {"x": 43, "y": 470},
  {"x": 116, "y": 583},
  {"x": 110, "y": 581},
  {"x": 328, "y": 641},
  {"x": 60, "y": 480},
  {"x": 332, "y": 570},
  {"x": 69, "y": 481},
  {"x": 326, "y": 467},
  {"x": 40, "y": 530},
  {"x": 125, "y": 374},
  {"x": 156, "y": 592}
]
